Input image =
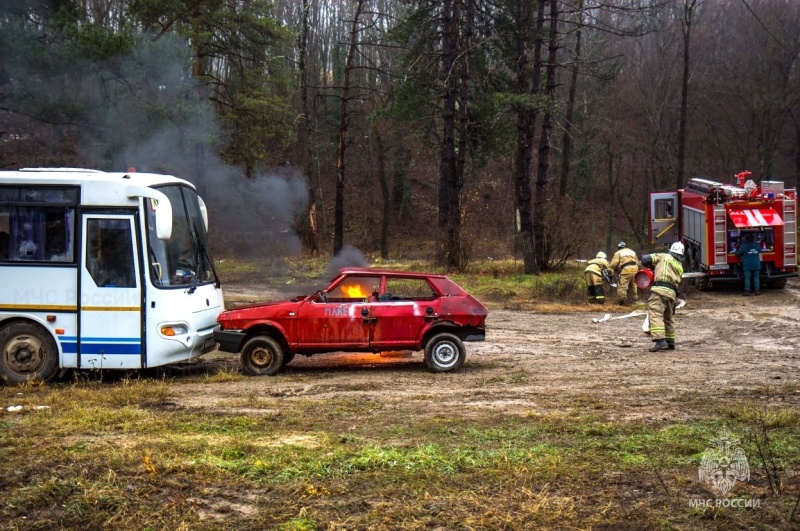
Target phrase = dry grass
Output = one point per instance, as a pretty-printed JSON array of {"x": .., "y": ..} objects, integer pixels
[{"x": 121, "y": 455}]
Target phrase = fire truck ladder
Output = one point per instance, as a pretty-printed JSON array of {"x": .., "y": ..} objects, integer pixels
[
  {"x": 789, "y": 233},
  {"x": 720, "y": 233}
]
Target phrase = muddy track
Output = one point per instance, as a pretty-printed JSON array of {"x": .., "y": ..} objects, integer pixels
[{"x": 728, "y": 347}]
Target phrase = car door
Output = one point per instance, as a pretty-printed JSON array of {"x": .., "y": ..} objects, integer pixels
[
  {"x": 337, "y": 318},
  {"x": 406, "y": 308}
]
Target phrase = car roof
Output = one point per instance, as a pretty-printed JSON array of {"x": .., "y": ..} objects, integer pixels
[{"x": 388, "y": 272}]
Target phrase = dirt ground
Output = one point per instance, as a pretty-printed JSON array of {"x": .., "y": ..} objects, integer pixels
[{"x": 728, "y": 346}]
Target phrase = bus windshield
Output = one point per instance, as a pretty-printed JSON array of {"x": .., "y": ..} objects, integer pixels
[{"x": 183, "y": 259}]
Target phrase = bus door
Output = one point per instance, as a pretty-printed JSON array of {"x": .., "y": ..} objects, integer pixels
[{"x": 110, "y": 302}]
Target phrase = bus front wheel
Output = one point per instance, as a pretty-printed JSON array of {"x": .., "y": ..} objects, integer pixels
[
  {"x": 27, "y": 352},
  {"x": 262, "y": 356}
]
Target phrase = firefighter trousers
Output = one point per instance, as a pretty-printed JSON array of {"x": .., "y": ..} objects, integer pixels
[
  {"x": 661, "y": 313},
  {"x": 626, "y": 289},
  {"x": 594, "y": 287}
]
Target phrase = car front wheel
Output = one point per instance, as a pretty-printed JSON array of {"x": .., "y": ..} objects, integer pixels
[
  {"x": 444, "y": 353},
  {"x": 262, "y": 356}
]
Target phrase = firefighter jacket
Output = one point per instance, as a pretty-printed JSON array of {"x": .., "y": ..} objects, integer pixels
[
  {"x": 667, "y": 275},
  {"x": 624, "y": 258},
  {"x": 595, "y": 266},
  {"x": 750, "y": 254}
]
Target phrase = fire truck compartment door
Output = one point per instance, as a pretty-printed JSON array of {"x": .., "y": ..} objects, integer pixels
[{"x": 755, "y": 217}]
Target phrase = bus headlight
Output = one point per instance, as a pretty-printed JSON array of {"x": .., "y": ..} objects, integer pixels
[{"x": 174, "y": 330}]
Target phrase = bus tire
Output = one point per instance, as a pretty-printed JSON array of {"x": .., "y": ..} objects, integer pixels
[
  {"x": 445, "y": 352},
  {"x": 262, "y": 356},
  {"x": 27, "y": 353}
]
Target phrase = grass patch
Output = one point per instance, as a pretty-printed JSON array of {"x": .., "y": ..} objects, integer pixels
[{"x": 107, "y": 456}]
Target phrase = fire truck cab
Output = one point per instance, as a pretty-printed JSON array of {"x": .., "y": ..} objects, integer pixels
[{"x": 712, "y": 220}]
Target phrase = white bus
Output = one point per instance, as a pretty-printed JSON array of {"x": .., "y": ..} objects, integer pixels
[{"x": 102, "y": 271}]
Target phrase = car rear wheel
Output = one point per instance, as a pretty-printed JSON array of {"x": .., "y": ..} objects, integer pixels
[
  {"x": 444, "y": 353},
  {"x": 262, "y": 356}
]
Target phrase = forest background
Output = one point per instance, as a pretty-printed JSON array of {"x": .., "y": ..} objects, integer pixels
[{"x": 449, "y": 130}]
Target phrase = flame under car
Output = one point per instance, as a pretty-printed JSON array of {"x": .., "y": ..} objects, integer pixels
[{"x": 362, "y": 310}]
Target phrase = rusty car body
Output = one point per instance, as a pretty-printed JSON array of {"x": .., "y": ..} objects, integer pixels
[{"x": 362, "y": 310}]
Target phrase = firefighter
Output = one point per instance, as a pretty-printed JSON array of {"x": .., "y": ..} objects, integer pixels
[
  {"x": 625, "y": 263},
  {"x": 664, "y": 295},
  {"x": 595, "y": 273},
  {"x": 750, "y": 255}
]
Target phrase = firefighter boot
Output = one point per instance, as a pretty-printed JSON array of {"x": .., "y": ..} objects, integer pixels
[
  {"x": 670, "y": 344},
  {"x": 661, "y": 344}
]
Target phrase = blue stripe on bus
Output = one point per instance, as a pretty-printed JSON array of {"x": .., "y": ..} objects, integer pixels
[
  {"x": 64, "y": 339},
  {"x": 71, "y": 347}
]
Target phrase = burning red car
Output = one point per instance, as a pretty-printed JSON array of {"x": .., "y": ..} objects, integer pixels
[{"x": 362, "y": 310}]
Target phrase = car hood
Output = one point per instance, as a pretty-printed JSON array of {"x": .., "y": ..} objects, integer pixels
[{"x": 263, "y": 310}]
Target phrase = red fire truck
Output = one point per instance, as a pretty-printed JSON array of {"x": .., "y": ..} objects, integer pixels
[{"x": 712, "y": 219}]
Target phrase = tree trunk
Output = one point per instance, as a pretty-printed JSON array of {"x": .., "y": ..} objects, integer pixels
[
  {"x": 311, "y": 236},
  {"x": 344, "y": 118},
  {"x": 526, "y": 120},
  {"x": 566, "y": 152},
  {"x": 686, "y": 23},
  {"x": 544, "y": 142},
  {"x": 448, "y": 241},
  {"x": 386, "y": 206}
]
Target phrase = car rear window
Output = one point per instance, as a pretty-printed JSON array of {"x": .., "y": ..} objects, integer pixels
[
  {"x": 409, "y": 289},
  {"x": 447, "y": 287}
]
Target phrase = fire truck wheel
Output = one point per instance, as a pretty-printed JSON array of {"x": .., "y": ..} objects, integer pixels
[
  {"x": 262, "y": 356},
  {"x": 444, "y": 353},
  {"x": 778, "y": 283},
  {"x": 27, "y": 352}
]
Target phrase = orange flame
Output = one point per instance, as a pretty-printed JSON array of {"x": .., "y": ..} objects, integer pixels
[{"x": 354, "y": 291}]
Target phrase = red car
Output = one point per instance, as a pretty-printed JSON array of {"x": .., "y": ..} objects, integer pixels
[{"x": 362, "y": 310}]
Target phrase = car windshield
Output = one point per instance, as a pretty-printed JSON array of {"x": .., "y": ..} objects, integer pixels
[{"x": 183, "y": 259}]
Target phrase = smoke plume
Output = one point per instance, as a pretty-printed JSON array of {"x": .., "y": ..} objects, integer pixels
[{"x": 349, "y": 256}]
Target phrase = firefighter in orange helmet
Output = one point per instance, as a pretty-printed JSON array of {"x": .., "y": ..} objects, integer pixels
[
  {"x": 625, "y": 263},
  {"x": 664, "y": 295},
  {"x": 595, "y": 274}
]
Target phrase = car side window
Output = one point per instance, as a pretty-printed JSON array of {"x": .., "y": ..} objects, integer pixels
[
  {"x": 354, "y": 289},
  {"x": 414, "y": 289}
]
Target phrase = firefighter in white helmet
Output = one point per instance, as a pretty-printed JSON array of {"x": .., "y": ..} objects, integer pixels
[
  {"x": 663, "y": 295},
  {"x": 595, "y": 273},
  {"x": 625, "y": 263}
]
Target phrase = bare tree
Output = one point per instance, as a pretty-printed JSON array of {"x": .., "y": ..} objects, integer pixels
[
  {"x": 544, "y": 140},
  {"x": 688, "y": 13},
  {"x": 344, "y": 120}
]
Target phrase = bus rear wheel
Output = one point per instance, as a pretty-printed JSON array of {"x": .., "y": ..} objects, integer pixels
[
  {"x": 262, "y": 356},
  {"x": 27, "y": 353}
]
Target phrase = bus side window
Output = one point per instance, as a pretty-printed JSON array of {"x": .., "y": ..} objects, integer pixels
[{"x": 109, "y": 253}]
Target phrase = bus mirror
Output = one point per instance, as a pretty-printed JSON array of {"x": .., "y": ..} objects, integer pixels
[
  {"x": 204, "y": 212},
  {"x": 163, "y": 218},
  {"x": 160, "y": 204}
]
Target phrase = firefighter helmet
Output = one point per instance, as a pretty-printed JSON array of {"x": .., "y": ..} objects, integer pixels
[
  {"x": 621, "y": 245},
  {"x": 677, "y": 248},
  {"x": 602, "y": 255}
]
